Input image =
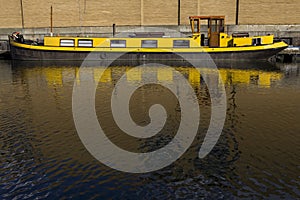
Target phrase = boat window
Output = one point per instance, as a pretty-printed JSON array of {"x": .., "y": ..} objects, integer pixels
[
  {"x": 85, "y": 43},
  {"x": 67, "y": 43},
  {"x": 196, "y": 26},
  {"x": 149, "y": 43},
  {"x": 181, "y": 43},
  {"x": 118, "y": 43},
  {"x": 214, "y": 26},
  {"x": 256, "y": 41}
]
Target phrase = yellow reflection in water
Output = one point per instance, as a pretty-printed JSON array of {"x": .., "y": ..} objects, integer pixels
[
  {"x": 264, "y": 79},
  {"x": 134, "y": 74},
  {"x": 194, "y": 76},
  {"x": 106, "y": 76},
  {"x": 77, "y": 78},
  {"x": 240, "y": 76},
  {"x": 164, "y": 74},
  {"x": 55, "y": 77}
]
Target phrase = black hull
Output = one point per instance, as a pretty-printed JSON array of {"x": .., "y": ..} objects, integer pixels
[{"x": 18, "y": 53}]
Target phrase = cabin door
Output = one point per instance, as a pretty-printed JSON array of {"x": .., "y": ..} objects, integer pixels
[{"x": 215, "y": 27}]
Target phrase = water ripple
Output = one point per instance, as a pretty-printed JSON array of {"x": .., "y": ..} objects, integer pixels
[{"x": 41, "y": 156}]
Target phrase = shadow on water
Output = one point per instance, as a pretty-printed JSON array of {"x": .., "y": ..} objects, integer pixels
[
  {"x": 237, "y": 64},
  {"x": 42, "y": 156}
]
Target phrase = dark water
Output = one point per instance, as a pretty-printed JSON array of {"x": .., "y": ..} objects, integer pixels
[{"x": 257, "y": 155}]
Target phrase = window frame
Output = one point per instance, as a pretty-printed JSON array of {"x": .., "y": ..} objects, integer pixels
[
  {"x": 143, "y": 45},
  {"x": 61, "y": 40},
  {"x": 184, "y": 46},
  {"x": 118, "y": 45},
  {"x": 81, "y": 40}
]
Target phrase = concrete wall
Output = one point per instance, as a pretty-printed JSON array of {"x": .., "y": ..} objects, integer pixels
[{"x": 143, "y": 12}]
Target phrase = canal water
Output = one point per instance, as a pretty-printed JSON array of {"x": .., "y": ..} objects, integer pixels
[{"x": 256, "y": 157}]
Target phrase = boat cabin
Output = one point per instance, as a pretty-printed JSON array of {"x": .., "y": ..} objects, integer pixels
[
  {"x": 216, "y": 36},
  {"x": 215, "y": 26}
]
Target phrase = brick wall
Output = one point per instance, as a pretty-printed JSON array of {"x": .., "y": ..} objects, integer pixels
[
  {"x": 270, "y": 12},
  {"x": 143, "y": 12}
]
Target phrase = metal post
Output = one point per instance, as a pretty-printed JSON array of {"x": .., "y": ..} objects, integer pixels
[
  {"x": 198, "y": 8},
  {"x": 114, "y": 30},
  {"x": 237, "y": 12},
  {"x": 179, "y": 12},
  {"x": 51, "y": 21},
  {"x": 142, "y": 12},
  {"x": 22, "y": 13}
]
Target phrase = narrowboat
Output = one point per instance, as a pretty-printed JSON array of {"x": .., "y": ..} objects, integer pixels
[{"x": 152, "y": 45}]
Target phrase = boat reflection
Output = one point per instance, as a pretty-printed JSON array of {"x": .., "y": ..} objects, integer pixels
[{"x": 262, "y": 74}]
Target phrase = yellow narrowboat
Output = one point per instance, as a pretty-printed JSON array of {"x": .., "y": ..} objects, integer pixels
[{"x": 152, "y": 46}]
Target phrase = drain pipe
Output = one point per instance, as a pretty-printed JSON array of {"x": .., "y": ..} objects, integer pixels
[
  {"x": 179, "y": 14},
  {"x": 237, "y": 12},
  {"x": 22, "y": 13},
  {"x": 51, "y": 21}
]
